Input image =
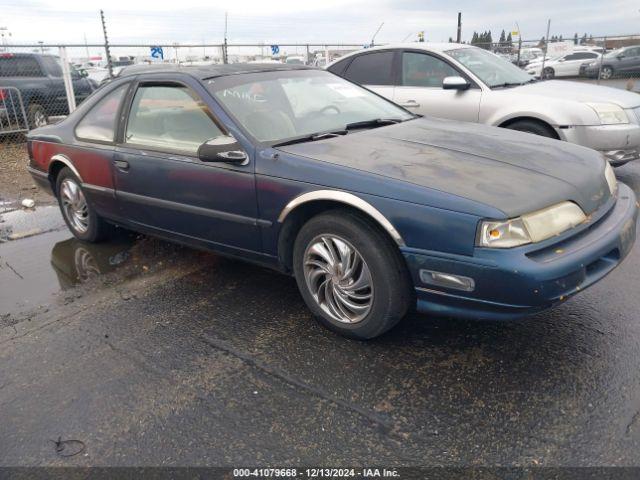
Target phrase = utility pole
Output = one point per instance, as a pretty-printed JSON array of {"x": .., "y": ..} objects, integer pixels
[
  {"x": 546, "y": 46},
  {"x": 519, "y": 43},
  {"x": 86, "y": 47},
  {"x": 106, "y": 45},
  {"x": 374, "y": 35},
  {"x": 459, "y": 36},
  {"x": 225, "y": 60}
]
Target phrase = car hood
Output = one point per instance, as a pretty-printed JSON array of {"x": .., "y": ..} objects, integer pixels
[
  {"x": 511, "y": 171},
  {"x": 579, "y": 92}
]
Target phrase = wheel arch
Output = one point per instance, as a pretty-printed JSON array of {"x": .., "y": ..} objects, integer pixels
[
  {"x": 506, "y": 123},
  {"x": 57, "y": 163},
  {"x": 299, "y": 210}
]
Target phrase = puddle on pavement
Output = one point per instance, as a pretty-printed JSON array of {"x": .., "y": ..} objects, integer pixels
[
  {"x": 21, "y": 223},
  {"x": 34, "y": 269}
]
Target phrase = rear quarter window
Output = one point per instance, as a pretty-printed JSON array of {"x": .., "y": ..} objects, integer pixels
[
  {"x": 338, "y": 67},
  {"x": 371, "y": 69},
  {"x": 20, "y": 67}
]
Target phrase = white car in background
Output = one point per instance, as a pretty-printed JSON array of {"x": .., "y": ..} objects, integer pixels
[
  {"x": 567, "y": 65},
  {"x": 461, "y": 82}
]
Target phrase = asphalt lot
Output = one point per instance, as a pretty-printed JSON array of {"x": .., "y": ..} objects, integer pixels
[{"x": 154, "y": 354}]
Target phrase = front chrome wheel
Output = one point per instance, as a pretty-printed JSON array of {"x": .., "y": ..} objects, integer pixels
[
  {"x": 338, "y": 278},
  {"x": 74, "y": 205},
  {"x": 606, "y": 73}
]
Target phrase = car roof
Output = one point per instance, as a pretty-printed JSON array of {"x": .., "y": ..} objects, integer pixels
[
  {"x": 202, "y": 72},
  {"x": 426, "y": 46}
]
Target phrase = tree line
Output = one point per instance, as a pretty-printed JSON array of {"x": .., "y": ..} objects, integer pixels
[{"x": 485, "y": 40}]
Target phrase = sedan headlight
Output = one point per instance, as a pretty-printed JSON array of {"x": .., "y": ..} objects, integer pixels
[
  {"x": 612, "y": 181},
  {"x": 532, "y": 227},
  {"x": 609, "y": 114}
]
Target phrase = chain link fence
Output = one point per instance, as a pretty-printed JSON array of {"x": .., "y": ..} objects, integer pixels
[
  {"x": 39, "y": 84},
  {"x": 42, "y": 83}
]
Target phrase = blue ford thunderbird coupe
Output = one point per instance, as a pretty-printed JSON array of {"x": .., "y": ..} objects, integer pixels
[{"x": 374, "y": 210}]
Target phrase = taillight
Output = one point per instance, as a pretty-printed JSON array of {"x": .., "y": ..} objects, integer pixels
[{"x": 3, "y": 94}]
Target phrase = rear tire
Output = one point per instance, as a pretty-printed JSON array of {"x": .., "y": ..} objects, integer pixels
[
  {"x": 366, "y": 290},
  {"x": 78, "y": 213},
  {"x": 37, "y": 116},
  {"x": 531, "y": 126}
]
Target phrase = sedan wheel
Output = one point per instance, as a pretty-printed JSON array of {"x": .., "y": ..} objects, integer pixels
[
  {"x": 74, "y": 205},
  {"x": 351, "y": 274},
  {"x": 338, "y": 278},
  {"x": 606, "y": 73},
  {"x": 548, "y": 73},
  {"x": 77, "y": 212}
]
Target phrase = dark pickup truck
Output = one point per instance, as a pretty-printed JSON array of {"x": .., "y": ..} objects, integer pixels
[{"x": 39, "y": 80}]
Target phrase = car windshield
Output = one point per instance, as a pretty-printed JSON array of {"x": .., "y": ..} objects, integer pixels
[
  {"x": 614, "y": 53},
  {"x": 491, "y": 69},
  {"x": 278, "y": 106}
]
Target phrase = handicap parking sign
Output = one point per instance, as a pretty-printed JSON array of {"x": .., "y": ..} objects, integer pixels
[{"x": 275, "y": 49}]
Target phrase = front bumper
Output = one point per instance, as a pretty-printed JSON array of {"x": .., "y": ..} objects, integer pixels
[
  {"x": 519, "y": 281},
  {"x": 620, "y": 144}
]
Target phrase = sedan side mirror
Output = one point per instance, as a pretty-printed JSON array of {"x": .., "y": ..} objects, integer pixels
[
  {"x": 224, "y": 148},
  {"x": 620, "y": 57},
  {"x": 455, "y": 83}
]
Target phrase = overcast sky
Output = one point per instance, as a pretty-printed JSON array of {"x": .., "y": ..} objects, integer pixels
[{"x": 307, "y": 21}]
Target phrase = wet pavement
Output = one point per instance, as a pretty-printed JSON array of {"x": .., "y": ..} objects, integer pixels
[{"x": 154, "y": 354}]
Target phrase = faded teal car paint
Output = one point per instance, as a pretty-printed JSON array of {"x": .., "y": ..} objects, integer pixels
[{"x": 433, "y": 181}]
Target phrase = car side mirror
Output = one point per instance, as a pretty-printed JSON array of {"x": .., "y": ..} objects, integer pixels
[
  {"x": 455, "y": 83},
  {"x": 224, "y": 148},
  {"x": 620, "y": 57}
]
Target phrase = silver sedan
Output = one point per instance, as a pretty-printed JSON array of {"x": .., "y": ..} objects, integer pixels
[{"x": 467, "y": 83}]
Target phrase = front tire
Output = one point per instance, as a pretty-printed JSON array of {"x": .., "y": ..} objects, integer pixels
[
  {"x": 78, "y": 214},
  {"x": 530, "y": 126},
  {"x": 548, "y": 73},
  {"x": 606, "y": 73},
  {"x": 350, "y": 274}
]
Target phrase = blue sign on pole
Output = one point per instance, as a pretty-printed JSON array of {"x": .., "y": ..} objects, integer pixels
[
  {"x": 275, "y": 49},
  {"x": 156, "y": 52}
]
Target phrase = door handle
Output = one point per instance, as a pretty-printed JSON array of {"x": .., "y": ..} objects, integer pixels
[
  {"x": 410, "y": 104},
  {"x": 122, "y": 164}
]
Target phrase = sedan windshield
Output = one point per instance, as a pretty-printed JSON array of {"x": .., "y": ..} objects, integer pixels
[
  {"x": 614, "y": 53},
  {"x": 491, "y": 69},
  {"x": 275, "y": 107}
]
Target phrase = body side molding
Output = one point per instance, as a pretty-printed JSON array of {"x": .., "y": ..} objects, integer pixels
[{"x": 348, "y": 199}]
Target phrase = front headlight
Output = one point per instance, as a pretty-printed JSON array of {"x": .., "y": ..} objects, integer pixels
[
  {"x": 532, "y": 227},
  {"x": 609, "y": 114},
  {"x": 612, "y": 181}
]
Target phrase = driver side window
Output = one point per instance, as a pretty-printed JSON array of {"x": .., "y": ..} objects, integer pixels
[
  {"x": 169, "y": 118},
  {"x": 422, "y": 70}
]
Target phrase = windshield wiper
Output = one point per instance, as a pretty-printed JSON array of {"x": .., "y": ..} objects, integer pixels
[
  {"x": 376, "y": 122},
  {"x": 310, "y": 138},
  {"x": 514, "y": 84}
]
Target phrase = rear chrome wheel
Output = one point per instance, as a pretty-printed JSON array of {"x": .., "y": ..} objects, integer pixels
[
  {"x": 338, "y": 278},
  {"x": 77, "y": 210},
  {"x": 74, "y": 205}
]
